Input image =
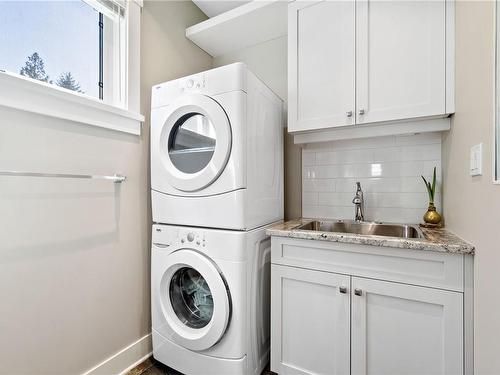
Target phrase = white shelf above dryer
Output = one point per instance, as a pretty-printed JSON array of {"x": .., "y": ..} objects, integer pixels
[{"x": 247, "y": 25}]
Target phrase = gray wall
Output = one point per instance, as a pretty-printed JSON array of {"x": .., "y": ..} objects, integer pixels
[
  {"x": 472, "y": 204},
  {"x": 268, "y": 60},
  {"x": 74, "y": 259},
  {"x": 74, "y": 254},
  {"x": 166, "y": 53}
]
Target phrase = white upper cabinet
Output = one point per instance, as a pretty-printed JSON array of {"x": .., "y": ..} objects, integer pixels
[
  {"x": 321, "y": 64},
  {"x": 366, "y": 62},
  {"x": 400, "y": 60}
]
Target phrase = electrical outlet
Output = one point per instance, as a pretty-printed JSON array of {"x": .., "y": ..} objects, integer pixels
[{"x": 476, "y": 160}]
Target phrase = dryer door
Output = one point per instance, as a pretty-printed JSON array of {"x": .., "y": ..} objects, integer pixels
[
  {"x": 194, "y": 299},
  {"x": 195, "y": 142}
]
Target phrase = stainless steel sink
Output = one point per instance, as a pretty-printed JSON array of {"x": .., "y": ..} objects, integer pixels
[{"x": 364, "y": 228}]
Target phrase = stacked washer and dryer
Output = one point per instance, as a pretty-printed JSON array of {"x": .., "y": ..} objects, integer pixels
[{"x": 217, "y": 183}]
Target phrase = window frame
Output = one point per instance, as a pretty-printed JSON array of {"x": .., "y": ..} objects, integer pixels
[
  {"x": 112, "y": 112},
  {"x": 496, "y": 99},
  {"x": 101, "y": 56}
]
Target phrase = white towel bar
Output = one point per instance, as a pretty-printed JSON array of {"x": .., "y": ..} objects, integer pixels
[{"x": 116, "y": 178}]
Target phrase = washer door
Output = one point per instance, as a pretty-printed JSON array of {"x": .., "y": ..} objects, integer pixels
[
  {"x": 195, "y": 300},
  {"x": 195, "y": 142}
]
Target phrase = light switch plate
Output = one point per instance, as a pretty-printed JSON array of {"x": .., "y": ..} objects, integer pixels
[{"x": 476, "y": 160}]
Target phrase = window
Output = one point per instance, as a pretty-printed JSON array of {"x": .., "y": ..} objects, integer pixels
[{"x": 77, "y": 45}]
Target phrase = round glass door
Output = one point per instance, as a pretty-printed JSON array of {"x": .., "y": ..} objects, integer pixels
[
  {"x": 195, "y": 142},
  {"x": 195, "y": 300},
  {"x": 191, "y": 298},
  {"x": 192, "y": 142}
]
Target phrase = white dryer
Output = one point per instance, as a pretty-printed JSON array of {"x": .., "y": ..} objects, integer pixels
[
  {"x": 210, "y": 299},
  {"x": 217, "y": 150}
]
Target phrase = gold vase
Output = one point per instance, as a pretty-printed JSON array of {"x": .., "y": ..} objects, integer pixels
[{"x": 432, "y": 216}]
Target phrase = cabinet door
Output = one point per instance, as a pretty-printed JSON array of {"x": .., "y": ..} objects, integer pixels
[
  {"x": 321, "y": 64},
  {"x": 400, "y": 57},
  {"x": 310, "y": 322},
  {"x": 400, "y": 329}
]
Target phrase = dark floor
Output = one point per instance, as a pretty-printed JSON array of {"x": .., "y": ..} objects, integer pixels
[{"x": 152, "y": 367}]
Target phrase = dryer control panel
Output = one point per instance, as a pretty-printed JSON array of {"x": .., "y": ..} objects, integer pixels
[{"x": 193, "y": 83}]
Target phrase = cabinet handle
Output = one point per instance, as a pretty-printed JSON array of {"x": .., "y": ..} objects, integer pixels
[
  {"x": 361, "y": 112},
  {"x": 343, "y": 289},
  {"x": 358, "y": 292},
  {"x": 349, "y": 113}
]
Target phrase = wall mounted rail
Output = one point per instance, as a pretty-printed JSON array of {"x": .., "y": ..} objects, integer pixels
[{"x": 116, "y": 178}]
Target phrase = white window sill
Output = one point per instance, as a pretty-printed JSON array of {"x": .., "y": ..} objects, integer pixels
[{"x": 49, "y": 100}]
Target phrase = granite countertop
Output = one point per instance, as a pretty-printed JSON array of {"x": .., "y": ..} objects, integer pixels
[{"x": 440, "y": 239}]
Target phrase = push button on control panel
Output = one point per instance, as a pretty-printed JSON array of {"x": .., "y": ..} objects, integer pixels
[{"x": 192, "y": 83}]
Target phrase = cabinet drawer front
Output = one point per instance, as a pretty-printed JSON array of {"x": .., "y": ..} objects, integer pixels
[
  {"x": 310, "y": 315},
  {"x": 405, "y": 329},
  {"x": 426, "y": 268}
]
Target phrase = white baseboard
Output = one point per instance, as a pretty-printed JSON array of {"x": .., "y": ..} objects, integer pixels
[{"x": 126, "y": 359}]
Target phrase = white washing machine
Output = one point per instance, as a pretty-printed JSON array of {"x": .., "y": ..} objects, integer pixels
[
  {"x": 217, "y": 150},
  {"x": 210, "y": 299}
]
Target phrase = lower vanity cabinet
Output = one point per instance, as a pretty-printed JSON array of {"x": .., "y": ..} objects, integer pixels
[
  {"x": 405, "y": 329},
  {"x": 310, "y": 322},
  {"x": 325, "y": 322}
]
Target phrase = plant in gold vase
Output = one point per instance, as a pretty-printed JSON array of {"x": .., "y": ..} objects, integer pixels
[{"x": 431, "y": 216}]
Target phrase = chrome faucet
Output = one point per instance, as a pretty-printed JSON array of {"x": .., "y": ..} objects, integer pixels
[{"x": 359, "y": 204}]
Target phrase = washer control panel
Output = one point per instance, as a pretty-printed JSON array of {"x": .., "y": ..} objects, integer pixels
[
  {"x": 164, "y": 237},
  {"x": 191, "y": 238}
]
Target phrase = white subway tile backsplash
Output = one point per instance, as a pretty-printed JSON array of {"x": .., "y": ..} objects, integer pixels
[
  {"x": 335, "y": 199},
  {"x": 338, "y": 212},
  {"x": 318, "y": 185},
  {"x": 344, "y": 157},
  {"x": 429, "y": 167},
  {"x": 328, "y": 212},
  {"x": 321, "y": 171},
  {"x": 418, "y": 139},
  {"x": 369, "y": 184},
  {"x": 412, "y": 184},
  {"x": 386, "y": 154},
  {"x": 308, "y": 158},
  {"x": 421, "y": 152},
  {"x": 388, "y": 168},
  {"x": 396, "y": 200},
  {"x": 352, "y": 144},
  {"x": 399, "y": 215},
  {"x": 309, "y": 199},
  {"x": 315, "y": 211},
  {"x": 413, "y": 200}
]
